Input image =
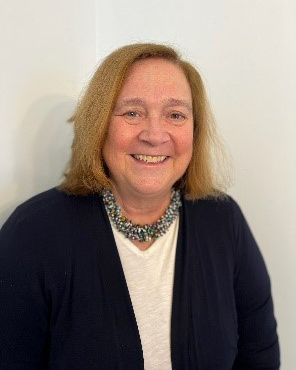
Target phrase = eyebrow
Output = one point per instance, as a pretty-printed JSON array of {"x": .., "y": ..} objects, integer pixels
[
  {"x": 179, "y": 102},
  {"x": 172, "y": 102}
]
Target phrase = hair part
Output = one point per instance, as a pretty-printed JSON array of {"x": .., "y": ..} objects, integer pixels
[{"x": 208, "y": 172}]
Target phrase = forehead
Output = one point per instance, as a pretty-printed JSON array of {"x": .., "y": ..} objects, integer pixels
[{"x": 158, "y": 76}]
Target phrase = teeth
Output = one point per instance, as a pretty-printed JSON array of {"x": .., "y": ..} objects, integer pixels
[{"x": 150, "y": 158}]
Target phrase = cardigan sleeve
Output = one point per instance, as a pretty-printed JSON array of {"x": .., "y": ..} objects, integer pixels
[
  {"x": 23, "y": 306},
  {"x": 258, "y": 346}
]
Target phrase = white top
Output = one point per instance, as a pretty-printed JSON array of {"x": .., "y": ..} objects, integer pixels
[{"x": 150, "y": 275}]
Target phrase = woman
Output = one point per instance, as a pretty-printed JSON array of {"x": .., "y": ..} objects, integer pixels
[{"x": 138, "y": 259}]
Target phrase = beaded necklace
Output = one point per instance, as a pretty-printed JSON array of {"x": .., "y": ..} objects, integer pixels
[{"x": 142, "y": 233}]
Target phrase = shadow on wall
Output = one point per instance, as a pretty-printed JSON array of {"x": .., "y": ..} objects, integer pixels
[{"x": 41, "y": 150}]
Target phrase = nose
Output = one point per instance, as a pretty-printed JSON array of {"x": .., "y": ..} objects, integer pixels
[{"x": 155, "y": 132}]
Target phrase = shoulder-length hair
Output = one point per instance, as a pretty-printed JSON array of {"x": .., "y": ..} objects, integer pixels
[{"x": 86, "y": 172}]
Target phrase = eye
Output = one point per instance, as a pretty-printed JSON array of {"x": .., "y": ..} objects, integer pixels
[
  {"x": 177, "y": 116},
  {"x": 131, "y": 114}
]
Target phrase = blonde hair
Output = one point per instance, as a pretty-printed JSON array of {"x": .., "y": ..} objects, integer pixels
[{"x": 207, "y": 174}]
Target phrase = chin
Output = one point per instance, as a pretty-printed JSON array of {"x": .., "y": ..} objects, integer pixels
[{"x": 148, "y": 188}]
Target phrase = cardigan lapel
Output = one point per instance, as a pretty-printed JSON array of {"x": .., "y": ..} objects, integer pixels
[
  {"x": 124, "y": 321},
  {"x": 180, "y": 321}
]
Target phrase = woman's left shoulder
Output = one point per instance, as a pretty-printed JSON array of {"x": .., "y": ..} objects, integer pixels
[{"x": 223, "y": 207}]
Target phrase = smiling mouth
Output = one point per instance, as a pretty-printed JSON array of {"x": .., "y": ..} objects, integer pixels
[{"x": 150, "y": 158}]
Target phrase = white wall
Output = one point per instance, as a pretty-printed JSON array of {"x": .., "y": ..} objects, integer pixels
[
  {"x": 48, "y": 49},
  {"x": 245, "y": 51}
]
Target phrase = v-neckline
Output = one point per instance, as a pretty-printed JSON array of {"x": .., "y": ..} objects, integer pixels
[{"x": 149, "y": 252}]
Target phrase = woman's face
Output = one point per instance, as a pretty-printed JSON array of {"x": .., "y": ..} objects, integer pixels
[{"x": 149, "y": 141}]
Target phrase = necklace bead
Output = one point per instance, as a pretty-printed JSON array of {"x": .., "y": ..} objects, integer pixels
[{"x": 142, "y": 233}]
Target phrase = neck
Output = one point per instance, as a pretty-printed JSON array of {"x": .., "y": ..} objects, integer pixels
[{"x": 142, "y": 210}]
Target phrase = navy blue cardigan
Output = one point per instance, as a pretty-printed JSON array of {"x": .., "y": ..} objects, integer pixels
[{"x": 64, "y": 302}]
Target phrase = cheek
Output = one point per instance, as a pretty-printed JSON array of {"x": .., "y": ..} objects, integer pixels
[
  {"x": 120, "y": 136},
  {"x": 114, "y": 142},
  {"x": 185, "y": 142},
  {"x": 108, "y": 150},
  {"x": 111, "y": 157},
  {"x": 116, "y": 146}
]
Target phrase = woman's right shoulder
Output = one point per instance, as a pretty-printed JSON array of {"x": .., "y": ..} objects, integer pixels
[
  {"x": 50, "y": 206},
  {"x": 44, "y": 222},
  {"x": 41, "y": 234},
  {"x": 45, "y": 203}
]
